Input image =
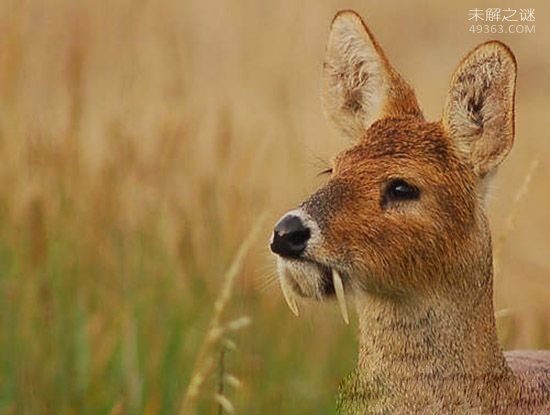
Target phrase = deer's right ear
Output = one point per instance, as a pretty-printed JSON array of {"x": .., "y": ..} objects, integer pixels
[
  {"x": 479, "y": 114},
  {"x": 359, "y": 84}
]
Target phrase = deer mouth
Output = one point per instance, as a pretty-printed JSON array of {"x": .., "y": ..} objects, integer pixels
[{"x": 304, "y": 278}]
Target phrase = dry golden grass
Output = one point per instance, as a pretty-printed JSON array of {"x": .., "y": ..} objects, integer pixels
[{"x": 139, "y": 142}]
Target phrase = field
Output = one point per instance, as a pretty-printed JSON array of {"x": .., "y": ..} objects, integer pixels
[{"x": 142, "y": 141}]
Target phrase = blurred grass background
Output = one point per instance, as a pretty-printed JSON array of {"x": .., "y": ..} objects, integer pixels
[{"x": 139, "y": 141}]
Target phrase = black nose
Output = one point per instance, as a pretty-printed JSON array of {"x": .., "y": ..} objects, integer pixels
[{"x": 290, "y": 237}]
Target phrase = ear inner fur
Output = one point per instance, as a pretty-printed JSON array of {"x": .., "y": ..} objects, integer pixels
[
  {"x": 359, "y": 84},
  {"x": 479, "y": 113}
]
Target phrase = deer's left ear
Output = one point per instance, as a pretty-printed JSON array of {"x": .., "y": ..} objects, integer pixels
[
  {"x": 479, "y": 113},
  {"x": 359, "y": 86}
]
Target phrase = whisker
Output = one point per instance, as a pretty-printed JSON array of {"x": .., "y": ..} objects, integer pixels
[
  {"x": 267, "y": 284},
  {"x": 265, "y": 279}
]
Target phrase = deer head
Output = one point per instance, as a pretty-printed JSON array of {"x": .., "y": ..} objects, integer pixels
[{"x": 402, "y": 213}]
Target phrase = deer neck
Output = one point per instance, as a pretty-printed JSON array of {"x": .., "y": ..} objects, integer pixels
[{"x": 427, "y": 349}]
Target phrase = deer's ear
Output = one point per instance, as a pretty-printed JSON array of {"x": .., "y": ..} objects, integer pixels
[
  {"x": 479, "y": 113},
  {"x": 359, "y": 84}
]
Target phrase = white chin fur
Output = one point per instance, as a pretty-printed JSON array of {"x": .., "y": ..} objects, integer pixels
[
  {"x": 299, "y": 279},
  {"x": 303, "y": 279}
]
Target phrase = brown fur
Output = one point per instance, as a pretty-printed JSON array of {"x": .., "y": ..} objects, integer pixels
[{"x": 420, "y": 271}]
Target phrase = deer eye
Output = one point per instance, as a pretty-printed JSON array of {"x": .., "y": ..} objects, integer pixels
[{"x": 399, "y": 190}]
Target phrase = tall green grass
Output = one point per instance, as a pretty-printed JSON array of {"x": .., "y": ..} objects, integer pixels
[{"x": 85, "y": 334}]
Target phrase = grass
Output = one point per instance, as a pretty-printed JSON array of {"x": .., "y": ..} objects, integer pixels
[
  {"x": 140, "y": 143},
  {"x": 216, "y": 336}
]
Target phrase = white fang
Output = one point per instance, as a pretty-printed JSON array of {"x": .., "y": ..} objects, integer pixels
[
  {"x": 340, "y": 296},
  {"x": 289, "y": 298}
]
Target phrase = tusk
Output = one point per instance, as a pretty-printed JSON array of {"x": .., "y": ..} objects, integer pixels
[
  {"x": 340, "y": 295},
  {"x": 289, "y": 298}
]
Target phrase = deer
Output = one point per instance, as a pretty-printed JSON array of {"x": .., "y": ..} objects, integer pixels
[{"x": 400, "y": 230}]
